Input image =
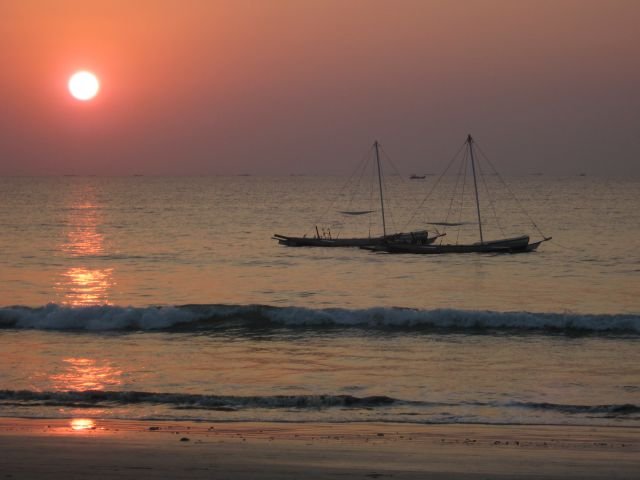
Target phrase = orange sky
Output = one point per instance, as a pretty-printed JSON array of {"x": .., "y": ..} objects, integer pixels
[{"x": 279, "y": 87}]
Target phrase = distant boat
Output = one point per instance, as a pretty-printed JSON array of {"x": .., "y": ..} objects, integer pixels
[
  {"x": 417, "y": 177},
  {"x": 327, "y": 239},
  {"x": 516, "y": 244}
]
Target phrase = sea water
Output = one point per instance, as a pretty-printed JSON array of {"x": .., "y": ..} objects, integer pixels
[{"x": 167, "y": 298}]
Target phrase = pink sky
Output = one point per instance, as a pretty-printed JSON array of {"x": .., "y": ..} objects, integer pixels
[{"x": 280, "y": 87}]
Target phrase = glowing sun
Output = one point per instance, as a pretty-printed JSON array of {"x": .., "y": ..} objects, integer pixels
[{"x": 83, "y": 85}]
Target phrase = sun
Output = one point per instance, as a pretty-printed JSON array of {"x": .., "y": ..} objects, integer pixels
[{"x": 83, "y": 85}]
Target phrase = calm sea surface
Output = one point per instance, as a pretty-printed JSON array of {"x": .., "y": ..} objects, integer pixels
[{"x": 152, "y": 297}]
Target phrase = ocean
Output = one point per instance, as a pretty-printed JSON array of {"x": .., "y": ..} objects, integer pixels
[{"x": 166, "y": 298}]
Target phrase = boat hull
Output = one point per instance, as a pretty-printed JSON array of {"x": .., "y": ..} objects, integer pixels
[
  {"x": 508, "y": 245},
  {"x": 411, "y": 238}
]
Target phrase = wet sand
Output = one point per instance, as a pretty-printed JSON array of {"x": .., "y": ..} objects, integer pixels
[{"x": 56, "y": 449}]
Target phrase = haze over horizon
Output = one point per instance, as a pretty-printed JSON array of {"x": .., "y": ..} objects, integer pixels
[{"x": 286, "y": 87}]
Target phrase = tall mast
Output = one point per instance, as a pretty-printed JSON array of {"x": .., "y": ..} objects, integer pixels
[
  {"x": 475, "y": 185},
  {"x": 384, "y": 225}
]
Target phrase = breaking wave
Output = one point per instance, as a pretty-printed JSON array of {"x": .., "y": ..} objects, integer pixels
[
  {"x": 214, "y": 317},
  {"x": 94, "y": 398},
  {"x": 614, "y": 410},
  {"x": 234, "y": 403}
]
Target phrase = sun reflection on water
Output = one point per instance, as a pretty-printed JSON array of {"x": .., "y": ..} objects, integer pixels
[
  {"x": 86, "y": 374},
  {"x": 84, "y": 239},
  {"x": 83, "y": 284}
]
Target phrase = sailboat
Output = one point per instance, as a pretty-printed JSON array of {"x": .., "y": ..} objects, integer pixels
[
  {"x": 517, "y": 244},
  {"x": 326, "y": 239}
]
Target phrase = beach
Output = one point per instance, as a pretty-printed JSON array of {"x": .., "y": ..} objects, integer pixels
[{"x": 56, "y": 449}]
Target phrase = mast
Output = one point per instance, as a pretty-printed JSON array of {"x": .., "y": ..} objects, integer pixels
[
  {"x": 475, "y": 185},
  {"x": 384, "y": 225}
]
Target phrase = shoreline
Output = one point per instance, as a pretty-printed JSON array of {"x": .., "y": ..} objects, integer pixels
[{"x": 79, "y": 448}]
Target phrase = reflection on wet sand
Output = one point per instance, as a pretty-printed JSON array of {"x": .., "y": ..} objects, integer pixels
[
  {"x": 82, "y": 284},
  {"x": 79, "y": 424}
]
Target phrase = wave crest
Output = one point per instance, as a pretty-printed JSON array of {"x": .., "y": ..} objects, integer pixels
[
  {"x": 210, "y": 317},
  {"x": 233, "y": 403},
  {"x": 93, "y": 398}
]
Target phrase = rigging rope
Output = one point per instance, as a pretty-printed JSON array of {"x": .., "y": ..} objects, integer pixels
[
  {"x": 424, "y": 200},
  {"x": 371, "y": 194},
  {"x": 356, "y": 180},
  {"x": 465, "y": 162},
  {"x": 491, "y": 202},
  {"x": 511, "y": 193},
  {"x": 395, "y": 169},
  {"x": 393, "y": 165},
  {"x": 385, "y": 189},
  {"x": 361, "y": 165},
  {"x": 453, "y": 194}
]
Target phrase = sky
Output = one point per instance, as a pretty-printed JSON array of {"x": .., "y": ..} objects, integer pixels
[{"x": 200, "y": 87}]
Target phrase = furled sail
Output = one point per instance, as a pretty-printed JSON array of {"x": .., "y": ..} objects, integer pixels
[
  {"x": 451, "y": 224},
  {"x": 358, "y": 212}
]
